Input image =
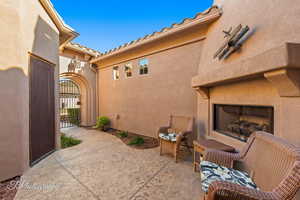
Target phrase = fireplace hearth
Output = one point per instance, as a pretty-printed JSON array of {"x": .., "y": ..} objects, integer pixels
[{"x": 240, "y": 121}]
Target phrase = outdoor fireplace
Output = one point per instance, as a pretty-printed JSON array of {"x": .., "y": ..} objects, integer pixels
[{"x": 239, "y": 121}]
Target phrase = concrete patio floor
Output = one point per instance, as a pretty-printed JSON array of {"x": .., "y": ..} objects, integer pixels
[{"x": 102, "y": 167}]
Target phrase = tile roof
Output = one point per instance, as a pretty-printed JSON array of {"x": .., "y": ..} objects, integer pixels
[
  {"x": 198, "y": 17},
  {"x": 81, "y": 48}
]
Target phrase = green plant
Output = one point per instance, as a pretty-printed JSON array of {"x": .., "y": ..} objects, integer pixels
[
  {"x": 136, "y": 141},
  {"x": 101, "y": 122},
  {"x": 123, "y": 134},
  {"x": 67, "y": 141},
  {"x": 73, "y": 114}
]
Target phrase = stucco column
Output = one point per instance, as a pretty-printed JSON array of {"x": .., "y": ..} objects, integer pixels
[{"x": 203, "y": 112}]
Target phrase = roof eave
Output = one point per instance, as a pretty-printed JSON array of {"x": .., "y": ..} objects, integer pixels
[
  {"x": 204, "y": 20},
  {"x": 69, "y": 46},
  {"x": 66, "y": 33}
]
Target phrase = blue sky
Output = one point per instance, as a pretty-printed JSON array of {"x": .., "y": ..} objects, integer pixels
[{"x": 104, "y": 25}]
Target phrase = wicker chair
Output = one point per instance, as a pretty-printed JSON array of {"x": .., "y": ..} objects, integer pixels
[
  {"x": 183, "y": 127},
  {"x": 275, "y": 166}
]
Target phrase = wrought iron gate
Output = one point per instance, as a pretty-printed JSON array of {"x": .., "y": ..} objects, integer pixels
[{"x": 69, "y": 103}]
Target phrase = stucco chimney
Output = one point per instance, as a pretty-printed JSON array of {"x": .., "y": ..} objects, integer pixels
[{"x": 219, "y": 2}]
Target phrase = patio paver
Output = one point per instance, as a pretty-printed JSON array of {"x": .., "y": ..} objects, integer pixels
[{"x": 103, "y": 167}]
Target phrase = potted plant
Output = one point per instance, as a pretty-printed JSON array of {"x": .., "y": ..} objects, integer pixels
[{"x": 103, "y": 123}]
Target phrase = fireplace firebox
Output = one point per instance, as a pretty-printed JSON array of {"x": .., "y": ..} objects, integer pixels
[{"x": 240, "y": 121}]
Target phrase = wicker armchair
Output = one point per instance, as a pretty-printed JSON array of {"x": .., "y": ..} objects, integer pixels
[
  {"x": 183, "y": 127},
  {"x": 273, "y": 162}
]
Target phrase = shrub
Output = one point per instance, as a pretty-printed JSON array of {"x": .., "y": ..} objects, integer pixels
[
  {"x": 101, "y": 122},
  {"x": 136, "y": 141},
  {"x": 68, "y": 141},
  {"x": 123, "y": 134},
  {"x": 74, "y": 115}
]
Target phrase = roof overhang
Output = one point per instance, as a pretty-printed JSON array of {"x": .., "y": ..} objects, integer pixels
[
  {"x": 206, "y": 17},
  {"x": 66, "y": 33},
  {"x": 279, "y": 65},
  {"x": 81, "y": 49}
]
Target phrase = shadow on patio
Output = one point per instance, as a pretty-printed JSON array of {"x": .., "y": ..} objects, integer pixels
[{"x": 103, "y": 167}]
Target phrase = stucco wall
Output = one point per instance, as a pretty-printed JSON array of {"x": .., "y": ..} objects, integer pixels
[
  {"x": 144, "y": 102},
  {"x": 272, "y": 23},
  {"x": 26, "y": 28},
  {"x": 194, "y": 33}
]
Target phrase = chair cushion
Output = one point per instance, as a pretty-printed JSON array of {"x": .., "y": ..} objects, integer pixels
[
  {"x": 168, "y": 136},
  {"x": 211, "y": 172}
]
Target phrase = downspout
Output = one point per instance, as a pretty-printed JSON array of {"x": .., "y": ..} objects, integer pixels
[
  {"x": 97, "y": 94},
  {"x": 96, "y": 70}
]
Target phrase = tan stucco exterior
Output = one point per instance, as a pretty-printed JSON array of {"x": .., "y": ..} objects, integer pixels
[
  {"x": 183, "y": 77},
  {"x": 180, "y": 39},
  {"x": 142, "y": 103},
  {"x": 266, "y": 67},
  {"x": 253, "y": 76},
  {"x": 85, "y": 78},
  {"x": 28, "y": 29}
]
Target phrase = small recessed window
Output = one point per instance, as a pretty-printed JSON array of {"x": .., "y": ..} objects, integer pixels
[
  {"x": 143, "y": 64},
  {"x": 128, "y": 70},
  {"x": 116, "y": 73}
]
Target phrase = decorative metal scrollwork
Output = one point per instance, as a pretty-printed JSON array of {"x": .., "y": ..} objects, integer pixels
[{"x": 73, "y": 65}]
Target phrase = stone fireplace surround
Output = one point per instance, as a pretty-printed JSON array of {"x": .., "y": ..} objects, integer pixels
[{"x": 275, "y": 77}]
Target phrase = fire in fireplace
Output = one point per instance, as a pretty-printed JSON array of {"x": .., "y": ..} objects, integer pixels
[{"x": 239, "y": 121}]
